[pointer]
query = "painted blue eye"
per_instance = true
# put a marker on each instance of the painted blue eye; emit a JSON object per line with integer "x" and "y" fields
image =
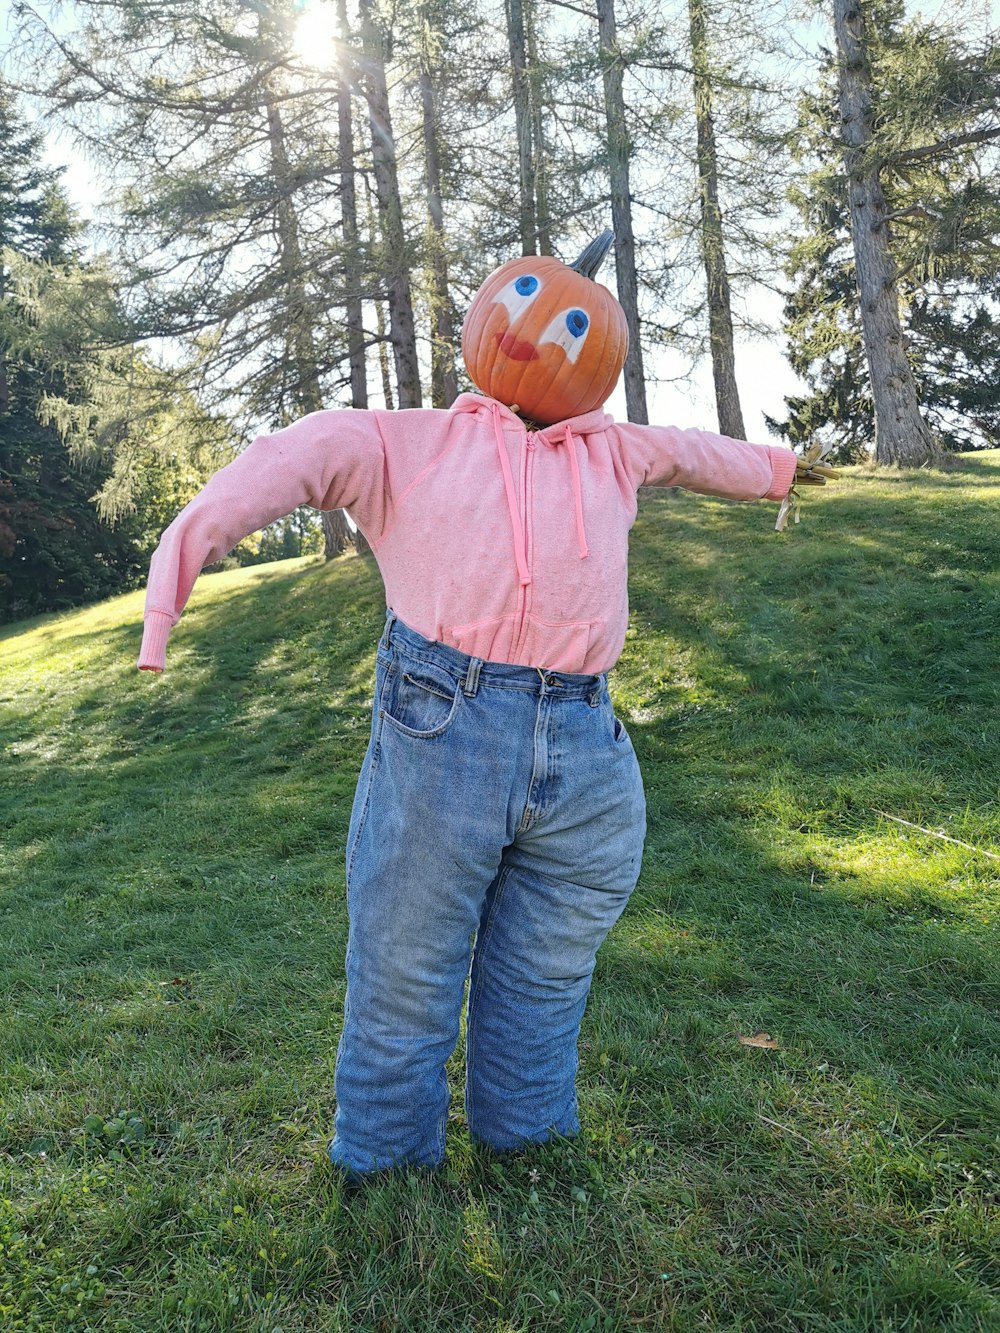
{"x": 577, "y": 323}
{"x": 526, "y": 284}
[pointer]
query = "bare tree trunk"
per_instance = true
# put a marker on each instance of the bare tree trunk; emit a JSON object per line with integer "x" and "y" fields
{"x": 901, "y": 434}
{"x": 621, "y": 208}
{"x": 401, "y": 326}
{"x": 383, "y": 354}
{"x": 720, "y": 316}
{"x": 349, "y": 221}
{"x": 522, "y": 121}
{"x": 539, "y": 165}
{"x": 308, "y": 393}
{"x": 444, "y": 381}
{"x": 380, "y": 333}
{"x": 353, "y": 285}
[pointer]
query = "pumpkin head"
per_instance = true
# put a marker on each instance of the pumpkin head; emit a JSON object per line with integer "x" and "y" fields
{"x": 544, "y": 338}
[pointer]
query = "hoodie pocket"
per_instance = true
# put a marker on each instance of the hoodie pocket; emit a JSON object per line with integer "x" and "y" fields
{"x": 557, "y": 645}
{"x": 492, "y": 640}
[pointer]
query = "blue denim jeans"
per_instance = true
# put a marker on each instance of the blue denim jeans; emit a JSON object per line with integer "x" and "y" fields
{"x": 499, "y": 818}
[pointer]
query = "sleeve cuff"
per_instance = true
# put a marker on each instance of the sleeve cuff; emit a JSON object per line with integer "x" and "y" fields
{"x": 783, "y": 462}
{"x": 153, "y": 653}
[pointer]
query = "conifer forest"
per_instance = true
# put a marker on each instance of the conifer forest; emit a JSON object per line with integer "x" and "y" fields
{"x": 219, "y": 215}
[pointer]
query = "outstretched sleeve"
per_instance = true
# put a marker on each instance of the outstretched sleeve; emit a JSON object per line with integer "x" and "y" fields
{"x": 710, "y": 464}
{"x": 331, "y": 460}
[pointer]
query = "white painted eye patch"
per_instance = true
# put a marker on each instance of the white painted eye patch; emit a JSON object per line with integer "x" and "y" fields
{"x": 568, "y": 330}
{"x": 516, "y": 296}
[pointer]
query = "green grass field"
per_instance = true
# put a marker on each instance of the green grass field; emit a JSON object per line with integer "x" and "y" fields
{"x": 173, "y": 927}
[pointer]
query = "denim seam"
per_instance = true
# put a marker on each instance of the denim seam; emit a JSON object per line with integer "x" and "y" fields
{"x": 470, "y": 1022}
{"x": 439, "y": 1143}
{"x": 363, "y": 819}
{"x": 533, "y": 810}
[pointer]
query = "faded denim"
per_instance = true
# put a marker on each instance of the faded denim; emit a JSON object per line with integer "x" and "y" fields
{"x": 500, "y": 804}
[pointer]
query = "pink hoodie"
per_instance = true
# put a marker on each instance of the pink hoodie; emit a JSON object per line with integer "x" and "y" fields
{"x": 509, "y": 545}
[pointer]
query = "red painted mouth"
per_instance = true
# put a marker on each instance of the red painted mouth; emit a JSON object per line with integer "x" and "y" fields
{"x": 516, "y": 348}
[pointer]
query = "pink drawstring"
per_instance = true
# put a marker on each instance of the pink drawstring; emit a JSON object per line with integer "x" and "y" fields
{"x": 515, "y": 517}
{"x": 581, "y": 534}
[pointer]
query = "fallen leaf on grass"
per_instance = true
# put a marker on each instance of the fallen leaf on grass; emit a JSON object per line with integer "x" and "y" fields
{"x": 763, "y": 1039}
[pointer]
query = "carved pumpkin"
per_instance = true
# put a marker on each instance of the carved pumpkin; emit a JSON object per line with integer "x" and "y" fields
{"x": 544, "y": 338}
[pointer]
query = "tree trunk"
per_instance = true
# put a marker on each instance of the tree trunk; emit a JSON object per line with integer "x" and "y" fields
{"x": 349, "y": 221}
{"x": 383, "y": 355}
{"x": 621, "y": 208}
{"x": 307, "y": 391}
{"x": 444, "y": 381}
{"x": 901, "y": 434}
{"x": 353, "y": 284}
{"x": 539, "y": 166}
{"x": 720, "y": 317}
{"x": 401, "y": 326}
{"x": 298, "y": 316}
{"x": 522, "y": 121}
{"x": 381, "y": 340}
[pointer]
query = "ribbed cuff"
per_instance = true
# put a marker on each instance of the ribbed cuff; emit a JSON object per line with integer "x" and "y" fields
{"x": 153, "y": 653}
{"x": 783, "y": 463}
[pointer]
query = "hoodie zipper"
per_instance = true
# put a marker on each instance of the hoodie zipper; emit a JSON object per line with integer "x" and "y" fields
{"x": 528, "y": 464}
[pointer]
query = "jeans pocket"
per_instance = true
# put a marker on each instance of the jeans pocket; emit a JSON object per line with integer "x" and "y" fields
{"x": 619, "y": 734}
{"x": 420, "y": 699}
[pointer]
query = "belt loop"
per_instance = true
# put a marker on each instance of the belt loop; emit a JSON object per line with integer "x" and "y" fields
{"x": 390, "y": 620}
{"x": 471, "y": 683}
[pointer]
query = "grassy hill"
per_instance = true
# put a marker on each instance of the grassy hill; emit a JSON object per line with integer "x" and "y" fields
{"x": 816, "y": 714}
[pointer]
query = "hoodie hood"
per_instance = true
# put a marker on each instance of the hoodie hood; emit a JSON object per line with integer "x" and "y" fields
{"x": 588, "y": 423}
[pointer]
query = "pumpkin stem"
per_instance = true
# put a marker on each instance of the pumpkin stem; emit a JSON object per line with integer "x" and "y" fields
{"x": 593, "y": 256}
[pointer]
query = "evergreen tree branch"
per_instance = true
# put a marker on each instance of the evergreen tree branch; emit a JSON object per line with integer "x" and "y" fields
{"x": 943, "y": 146}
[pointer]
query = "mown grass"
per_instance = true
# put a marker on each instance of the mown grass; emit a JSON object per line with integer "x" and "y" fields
{"x": 173, "y": 924}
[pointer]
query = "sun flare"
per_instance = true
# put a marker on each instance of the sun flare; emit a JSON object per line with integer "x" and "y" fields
{"x": 316, "y": 33}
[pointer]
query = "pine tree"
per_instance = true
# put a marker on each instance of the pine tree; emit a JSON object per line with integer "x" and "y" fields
{"x": 901, "y": 434}
{"x": 713, "y": 250}
{"x": 935, "y": 116}
{"x": 55, "y": 550}
{"x": 444, "y": 383}
{"x": 619, "y": 153}
{"x": 394, "y": 253}
{"x": 224, "y": 148}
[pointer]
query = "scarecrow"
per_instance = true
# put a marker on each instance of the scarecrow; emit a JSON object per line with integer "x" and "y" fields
{"x": 499, "y": 818}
